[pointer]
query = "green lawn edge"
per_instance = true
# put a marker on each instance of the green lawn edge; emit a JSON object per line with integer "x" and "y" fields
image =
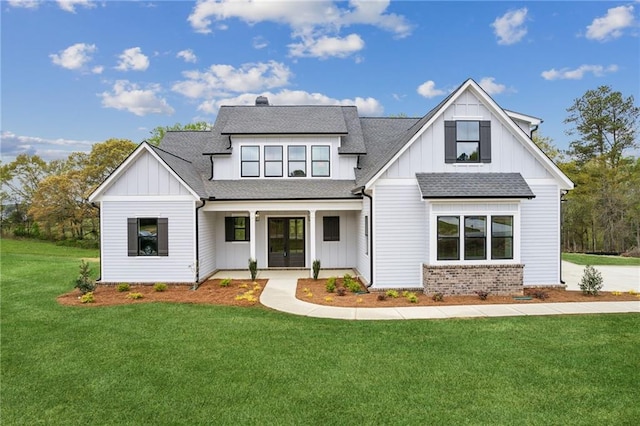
{"x": 592, "y": 259}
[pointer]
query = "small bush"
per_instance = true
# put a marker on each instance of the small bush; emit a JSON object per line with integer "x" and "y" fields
{"x": 539, "y": 293}
{"x": 253, "y": 268}
{"x": 382, "y": 297}
{"x": 392, "y": 293}
{"x": 328, "y": 299}
{"x": 225, "y": 282}
{"x": 87, "y": 297}
{"x": 135, "y": 296}
{"x": 438, "y": 297}
{"x": 412, "y": 297}
{"x": 341, "y": 291}
{"x": 84, "y": 283}
{"x": 482, "y": 294}
{"x": 591, "y": 281}
{"x": 330, "y": 286}
{"x": 316, "y": 269}
{"x": 352, "y": 285}
{"x": 122, "y": 287}
{"x": 160, "y": 287}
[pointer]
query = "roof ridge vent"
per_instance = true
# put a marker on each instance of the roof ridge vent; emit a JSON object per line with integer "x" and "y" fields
{"x": 262, "y": 101}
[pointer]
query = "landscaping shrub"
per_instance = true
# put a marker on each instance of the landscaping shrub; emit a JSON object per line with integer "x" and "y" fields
{"x": 438, "y": 297}
{"x": 412, "y": 297}
{"x": 253, "y": 268}
{"x": 591, "y": 281}
{"x": 87, "y": 297}
{"x": 316, "y": 269}
{"x": 84, "y": 283}
{"x": 351, "y": 284}
{"x": 392, "y": 293}
{"x": 482, "y": 294}
{"x": 135, "y": 296}
{"x": 382, "y": 297}
{"x": 539, "y": 293}
{"x": 160, "y": 287}
{"x": 331, "y": 284}
{"x": 225, "y": 282}
{"x": 123, "y": 287}
{"x": 341, "y": 291}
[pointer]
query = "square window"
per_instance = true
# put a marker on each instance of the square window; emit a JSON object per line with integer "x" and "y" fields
{"x": 236, "y": 228}
{"x": 331, "y": 228}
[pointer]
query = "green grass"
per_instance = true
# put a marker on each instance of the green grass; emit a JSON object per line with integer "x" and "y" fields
{"x": 592, "y": 259}
{"x": 196, "y": 364}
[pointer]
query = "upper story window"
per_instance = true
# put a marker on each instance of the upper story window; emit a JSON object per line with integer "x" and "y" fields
{"x": 297, "y": 155}
{"x": 320, "y": 163}
{"x": 250, "y": 161}
{"x": 467, "y": 141}
{"x": 273, "y": 161}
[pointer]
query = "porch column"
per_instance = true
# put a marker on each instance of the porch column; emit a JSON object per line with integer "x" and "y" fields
{"x": 312, "y": 237}
{"x": 252, "y": 234}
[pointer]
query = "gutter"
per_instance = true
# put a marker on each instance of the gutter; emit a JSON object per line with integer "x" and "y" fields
{"x": 370, "y": 236}
{"x": 96, "y": 206}
{"x": 196, "y": 283}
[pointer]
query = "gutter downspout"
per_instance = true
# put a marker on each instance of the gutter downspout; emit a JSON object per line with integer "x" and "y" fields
{"x": 562, "y": 200}
{"x": 196, "y": 283}
{"x": 370, "y": 236}
{"x": 95, "y": 206}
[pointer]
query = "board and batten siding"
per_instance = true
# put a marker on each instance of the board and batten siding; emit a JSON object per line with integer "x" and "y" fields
{"x": 146, "y": 176}
{"x": 540, "y": 236}
{"x": 207, "y": 242}
{"x": 178, "y": 266}
{"x": 337, "y": 254}
{"x": 400, "y": 235}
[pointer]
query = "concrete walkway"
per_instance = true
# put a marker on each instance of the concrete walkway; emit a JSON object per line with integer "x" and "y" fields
{"x": 614, "y": 278}
{"x": 279, "y": 294}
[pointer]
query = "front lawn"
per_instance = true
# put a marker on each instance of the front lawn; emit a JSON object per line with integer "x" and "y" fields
{"x": 162, "y": 363}
{"x": 593, "y": 259}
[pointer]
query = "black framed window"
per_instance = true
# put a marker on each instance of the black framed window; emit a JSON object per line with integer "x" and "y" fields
{"x": 475, "y": 237}
{"x": 448, "y": 238}
{"x": 250, "y": 161}
{"x": 148, "y": 236}
{"x": 297, "y": 157}
{"x": 320, "y": 161}
{"x": 331, "y": 228}
{"x": 273, "y": 161}
{"x": 236, "y": 228}
{"x": 502, "y": 237}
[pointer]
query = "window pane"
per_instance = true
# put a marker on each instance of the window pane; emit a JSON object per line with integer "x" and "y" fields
{"x": 475, "y": 248}
{"x": 297, "y": 168}
{"x": 502, "y": 248}
{"x": 448, "y": 226}
{"x": 448, "y": 249}
{"x": 468, "y": 130}
{"x": 468, "y": 151}
{"x": 331, "y": 228}
{"x": 273, "y": 153}
{"x": 250, "y": 169}
{"x": 148, "y": 237}
{"x": 320, "y": 168}
{"x": 475, "y": 226}
{"x": 320, "y": 153}
{"x": 297, "y": 153}
{"x": 273, "y": 168}
{"x": 502, "y": 226}
{"x": 250, "y": 153}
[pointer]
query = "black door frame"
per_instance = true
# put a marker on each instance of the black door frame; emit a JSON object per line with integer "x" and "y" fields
{"x": 273, "y": 260}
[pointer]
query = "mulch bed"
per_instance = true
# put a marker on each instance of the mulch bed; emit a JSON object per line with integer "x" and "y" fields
{"x": 313, "y": 291}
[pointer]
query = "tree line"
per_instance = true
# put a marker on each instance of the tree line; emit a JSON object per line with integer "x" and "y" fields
{"x": 602, "y": 214}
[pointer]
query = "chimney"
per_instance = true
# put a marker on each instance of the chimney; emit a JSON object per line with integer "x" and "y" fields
{"x": 262, "y": 101}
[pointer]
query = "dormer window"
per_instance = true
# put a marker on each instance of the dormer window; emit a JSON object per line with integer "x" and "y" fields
{"x": 467, "y": 141}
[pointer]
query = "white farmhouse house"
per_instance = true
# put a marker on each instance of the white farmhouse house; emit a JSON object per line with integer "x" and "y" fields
{"x": 455, "y": 201}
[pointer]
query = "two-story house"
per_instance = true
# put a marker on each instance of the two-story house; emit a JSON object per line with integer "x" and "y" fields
{"x": 458, "y": 200}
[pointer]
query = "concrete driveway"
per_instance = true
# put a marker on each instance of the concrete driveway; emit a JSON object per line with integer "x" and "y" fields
{"x": 615, "y": 278}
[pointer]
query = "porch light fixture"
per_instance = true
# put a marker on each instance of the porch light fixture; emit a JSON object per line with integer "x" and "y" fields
{"x": 257, "y": 216}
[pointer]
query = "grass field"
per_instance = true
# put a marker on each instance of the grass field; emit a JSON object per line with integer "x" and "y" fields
{"x": 196, "y": 364}
{"x": 592, "y": 259}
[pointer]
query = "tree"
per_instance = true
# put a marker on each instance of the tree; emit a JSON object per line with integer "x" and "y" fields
{"x": 158, "y": 133}
{"x": 103, "y": 159}
{"x": 547, "y": 146}
{"x": 605, "y": 122}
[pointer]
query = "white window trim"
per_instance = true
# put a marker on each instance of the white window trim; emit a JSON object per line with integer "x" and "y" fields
{"x": 433, "y": 240}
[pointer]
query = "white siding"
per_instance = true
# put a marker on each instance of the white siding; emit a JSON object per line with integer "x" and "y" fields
{"x": 337, "y": 254}
{"x": 230, "y": 254}
{"x": 364, "y": 261}
{"x": 400, "y": 236}
{"x": 146, "y": 176}
{"x": 118, "y": 266}
{"x": 540, "y": 230}
{"x": 207, "y": 242}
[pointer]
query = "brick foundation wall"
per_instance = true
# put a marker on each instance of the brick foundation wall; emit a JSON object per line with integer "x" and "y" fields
{"x": 499, "y": 280}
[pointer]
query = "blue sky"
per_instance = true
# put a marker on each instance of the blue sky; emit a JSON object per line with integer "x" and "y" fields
{"x": 79, "y": 72}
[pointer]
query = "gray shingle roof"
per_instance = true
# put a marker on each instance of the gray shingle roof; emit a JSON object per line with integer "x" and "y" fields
{"x": 182, "y": 168}
{"x": 281, "y": 120}
{"x": 473, "y": 185}
{"x": 271, "y": 189}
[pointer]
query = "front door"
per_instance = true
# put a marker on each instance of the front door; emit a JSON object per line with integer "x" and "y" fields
{"x": 286, "y": 242}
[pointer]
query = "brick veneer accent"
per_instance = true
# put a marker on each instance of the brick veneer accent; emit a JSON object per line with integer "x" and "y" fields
{"x": 499, "y": 280}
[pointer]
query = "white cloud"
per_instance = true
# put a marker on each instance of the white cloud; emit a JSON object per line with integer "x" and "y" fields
{"x": 259, "y": 42}
{"x": 25, "y": 4}
{"x": 311, "y": 21}
{"x": 12, "y": 145}
{"x": 428, "y": 89}
{"x": 74, "y": 57}
{"x": 611, "y": 25}
{"x": 491, "y": 87}
{"x": 97, "y": 69}
{"x": 578, "y": 73}
{"x": 187, "y": 55}
{"x": 366, "y": 106}
{"x": 129, "y": 97}
{"x": 70, "y": 5}
{"x": 133, "y": 59}
{"x": 510, "y": 28}
{"x": 220, "y": 80}
{"x": 325, "y": 47}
